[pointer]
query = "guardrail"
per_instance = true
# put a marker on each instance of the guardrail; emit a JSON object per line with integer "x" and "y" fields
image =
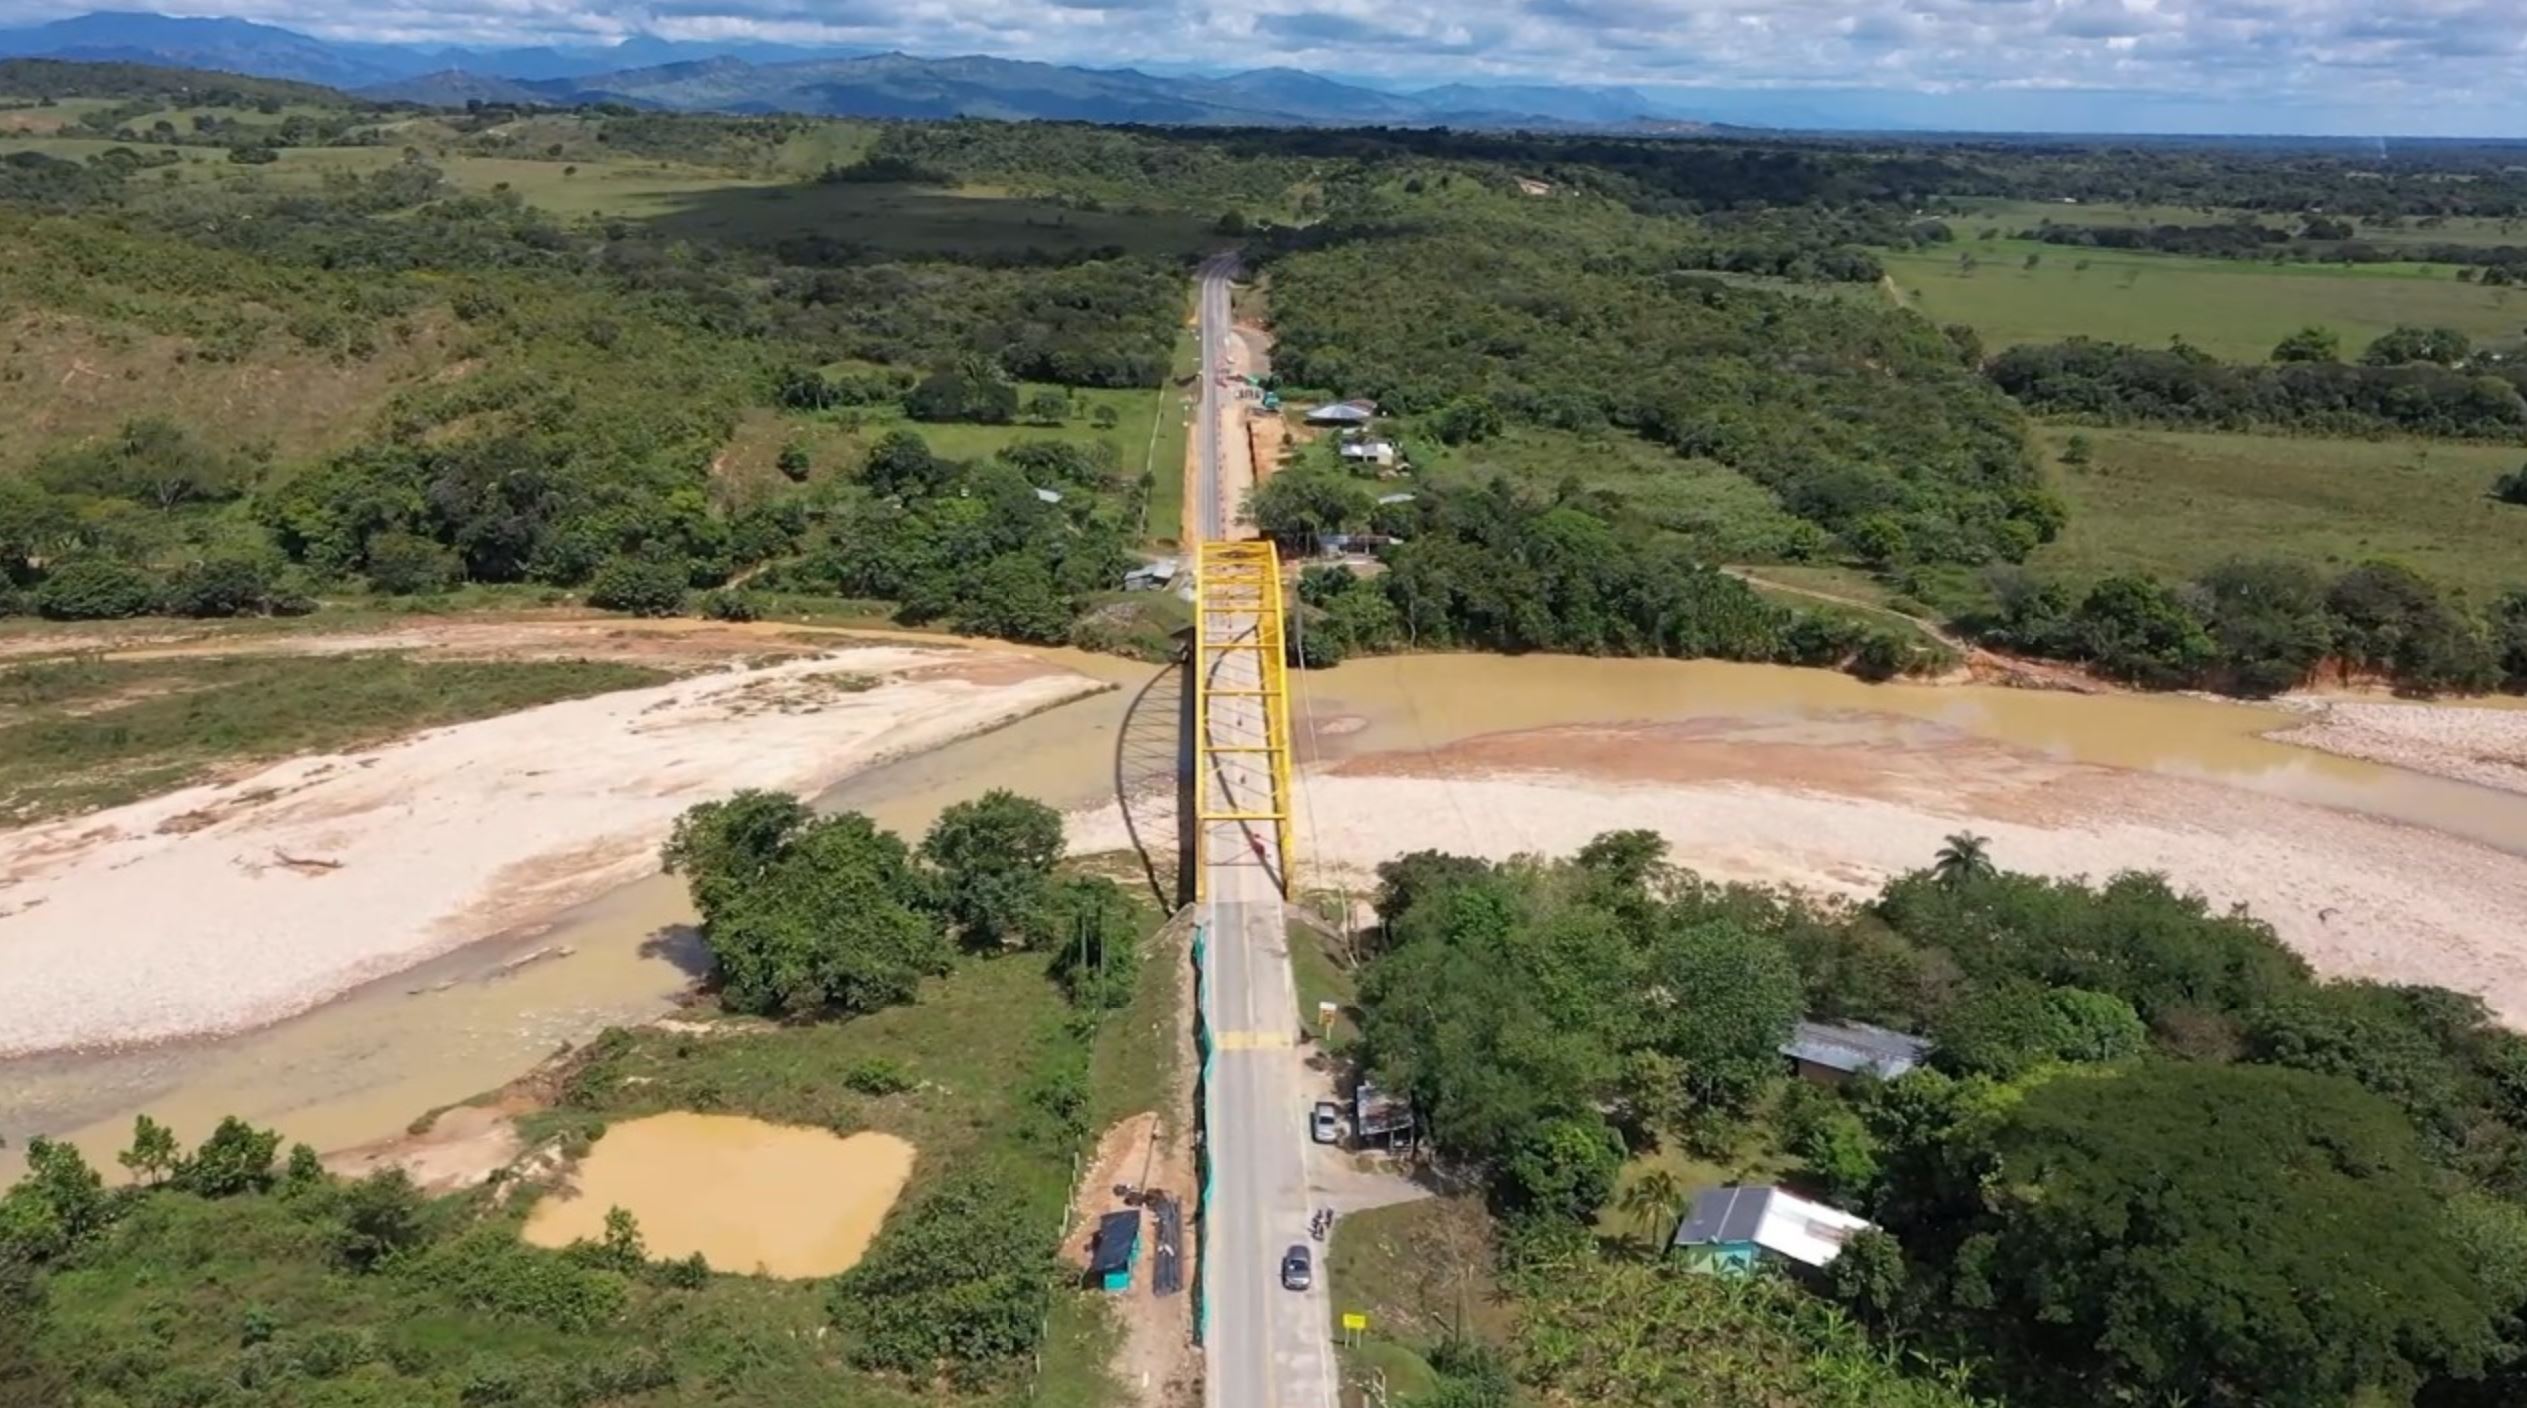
{"x": 1202, "y": 1130}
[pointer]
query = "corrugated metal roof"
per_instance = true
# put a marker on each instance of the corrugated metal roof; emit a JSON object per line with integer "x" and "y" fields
{"x": 1722, "y": 1215}
{"x": 1780, "y": 1222}
{"x": 1856, "y": 1047}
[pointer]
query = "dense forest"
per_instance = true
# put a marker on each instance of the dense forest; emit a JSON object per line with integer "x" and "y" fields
{"x": 2151, "y": 1159}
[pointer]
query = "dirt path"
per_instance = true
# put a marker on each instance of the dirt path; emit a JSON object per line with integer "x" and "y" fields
{"x": 1981, "y": 663}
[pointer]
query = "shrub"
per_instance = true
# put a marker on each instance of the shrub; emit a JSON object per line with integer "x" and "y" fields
{"x": 728, "y": 604}
{"x": 221, "y": 586}
{"x": 402, "y": 564}
{"x": 643, "y": 586}
{"x": 2511, "y": 488}
{"x": 94, "y": 589}
{"x": 878, "y": 1076}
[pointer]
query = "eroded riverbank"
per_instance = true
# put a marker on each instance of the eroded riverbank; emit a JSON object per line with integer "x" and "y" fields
{"x": 1795, "y": 776}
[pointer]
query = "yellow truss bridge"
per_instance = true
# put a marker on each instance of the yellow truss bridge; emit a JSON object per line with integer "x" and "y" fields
{"x": 1241, "y": 713}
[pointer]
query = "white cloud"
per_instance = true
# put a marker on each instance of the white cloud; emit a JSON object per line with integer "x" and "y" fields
{"x": 2448, "y": 65}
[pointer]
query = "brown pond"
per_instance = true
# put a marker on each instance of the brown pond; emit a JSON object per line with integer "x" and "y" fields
{"x": 751, "y": 1197}
{"x": 364, "y": 1066}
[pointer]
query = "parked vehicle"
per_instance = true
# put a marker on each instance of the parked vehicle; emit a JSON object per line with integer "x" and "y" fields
{"x": 1297, "y": 1269}
{"x": 1326, "y": 1125}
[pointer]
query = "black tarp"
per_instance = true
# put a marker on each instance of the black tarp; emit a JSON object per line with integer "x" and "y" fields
{"x": 1116, "y": 1232}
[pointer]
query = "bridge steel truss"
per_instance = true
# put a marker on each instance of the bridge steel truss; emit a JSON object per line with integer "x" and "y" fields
{"x": 1241, "y": 713}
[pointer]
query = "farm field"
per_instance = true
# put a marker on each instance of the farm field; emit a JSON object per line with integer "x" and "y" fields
{"x": 2231, "y": 309}
{"x": 2176, "y": 502}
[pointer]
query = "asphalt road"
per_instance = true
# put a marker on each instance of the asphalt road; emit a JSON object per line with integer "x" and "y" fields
{"x": 1266, "y": 1347}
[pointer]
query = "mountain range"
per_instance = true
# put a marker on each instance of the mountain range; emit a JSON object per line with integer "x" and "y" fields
{"x": 765, "y": 78}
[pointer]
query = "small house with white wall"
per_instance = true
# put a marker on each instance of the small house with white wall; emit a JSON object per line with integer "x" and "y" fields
{"x": 1737, "y": 1229}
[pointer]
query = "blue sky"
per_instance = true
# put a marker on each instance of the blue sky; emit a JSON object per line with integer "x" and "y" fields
{"x": 2423, "y": 67}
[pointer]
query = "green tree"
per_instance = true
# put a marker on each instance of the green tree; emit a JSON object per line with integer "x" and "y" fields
{"x": 405, "y": 564}
{"x": 236, "y": 1159}
{"x": 1048, "y": 407}
{"x": 805, "y": 915}
{"x": 2239, "y": 1235}
{"x": 2511, "y": 488}
{"x": 2309, "y": 344}
{"x": 1963, "y": 859}
{"x": 2405, "y": 345}
{"x": 153, "y": 1154}
{"x": 1723, "y": 1000}
{"x": 794, "y": 461}
{"x": 1879, "y": 539}
{"x": 995, "y": 856}
{"x": 2001, "y": 1029}
{"x": 1103, "y": 416}
{"x": 56, "y": 1205}
{"x": 2076, "y": 451}
{"x": 1299, "y": 506}
{"x": 901, "y": 463}
{"x": 94, "y": 589}
{"x": 640, "y": 585}
{"x": 1654, "y": 1201}
{"x": 2134, "y": 628}
{"x": 1563, "y": 1168}
{"x": 381, "y": 1215}
{"x": 726, "y": 847}
{"x": 1467, "y": 420}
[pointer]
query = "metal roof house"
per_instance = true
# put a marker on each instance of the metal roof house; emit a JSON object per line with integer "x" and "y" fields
{"x": 1737, "y": 1229}
{"x": 1117, "y": 1246}
{"x": 1831, "y": 1052}
{"x": 1343, "y": 413}
{"x": 1151, "y": 576}
{"x": 1380, "y": 1118}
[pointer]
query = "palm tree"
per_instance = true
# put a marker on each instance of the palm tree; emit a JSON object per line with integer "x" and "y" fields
{"x": 1966, "y": 858}
{"x": 1651, "y": 1203}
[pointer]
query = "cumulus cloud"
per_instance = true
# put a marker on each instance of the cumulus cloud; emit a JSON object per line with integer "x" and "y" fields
{"x": 2349, "y": 65}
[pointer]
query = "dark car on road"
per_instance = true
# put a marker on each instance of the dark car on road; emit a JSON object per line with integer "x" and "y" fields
{"x": 1296, "y": 1274}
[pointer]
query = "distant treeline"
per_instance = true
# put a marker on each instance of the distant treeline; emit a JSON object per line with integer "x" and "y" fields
{"x": 2318, "y": 240}
{"x": 2258, "y": 627}
{"x": 2120, "y": 384}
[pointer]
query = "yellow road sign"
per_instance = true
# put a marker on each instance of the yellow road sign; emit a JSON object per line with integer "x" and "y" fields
{"x": 1355, "y": 1321}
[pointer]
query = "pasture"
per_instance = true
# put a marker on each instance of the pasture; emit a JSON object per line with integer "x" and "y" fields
{"x": 2232, "y": 309}
{"x": 2176, "y": 502}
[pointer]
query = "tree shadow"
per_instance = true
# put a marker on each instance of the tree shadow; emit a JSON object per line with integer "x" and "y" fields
{"x": 681, "y": 945}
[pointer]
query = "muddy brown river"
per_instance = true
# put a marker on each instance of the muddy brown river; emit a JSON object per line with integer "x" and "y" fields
{"x": 365, "y": 1065}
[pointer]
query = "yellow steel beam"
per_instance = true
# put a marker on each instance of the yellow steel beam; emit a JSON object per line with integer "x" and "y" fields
{"x": 1241, "y": 582}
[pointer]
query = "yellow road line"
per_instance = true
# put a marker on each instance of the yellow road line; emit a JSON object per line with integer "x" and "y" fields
{"x": 1252, "y": 1041}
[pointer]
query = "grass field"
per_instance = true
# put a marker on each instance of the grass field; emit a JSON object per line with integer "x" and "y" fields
{"x": 1170, "y": 434}
{"x": 1421, "y": 1272}
{"x": 78, "y": 734}
{"x": 2229, "y": 308}
{"x": 1729, "y": 516}
{"x": 2175, "y": 503}
{"x": 1130, "y": 436}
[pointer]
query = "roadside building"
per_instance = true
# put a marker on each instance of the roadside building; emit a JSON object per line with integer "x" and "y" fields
{"x": 1736, "y": 1229}
{"x": 1367, "y": 450}
{"x": 1343, "y": 413}
{"x": 1829, "y": 1053}
{"x": 1117, "y": 1246}
{"x": 1151, "y": 576}
{"x": 1380, "y": 1120}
